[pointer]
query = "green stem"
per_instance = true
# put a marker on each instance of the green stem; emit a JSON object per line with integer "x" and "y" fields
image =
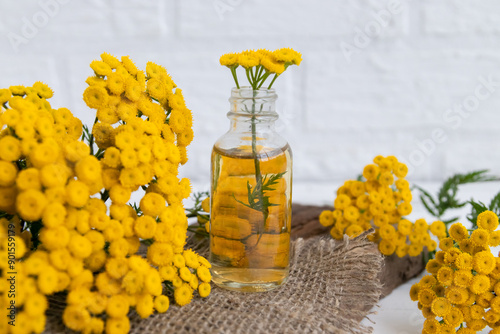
{"x": 91, "y": 138}
{"x": 104, "y": 195}
{"x": 274, "y": 79}
{"x": 259, "y": 73}
{"x": 233, "y": 72}
{"x": 258, "y": 175}
{"x": 249, "y": 79}
{"x": 264, "y": 77}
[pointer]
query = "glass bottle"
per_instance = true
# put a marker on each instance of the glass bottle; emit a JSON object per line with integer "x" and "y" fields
{"x": 251, "y": 193}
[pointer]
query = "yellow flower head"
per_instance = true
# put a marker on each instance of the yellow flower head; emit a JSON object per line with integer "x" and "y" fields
{"x": 17, "y": 90}
{"x": 454, "y": 318}
{"x": 229, "y": 59}
{"x": 152, "y": 204}
{"x": 100, "y": 68}
{"x": 441, "y": 306}
{"x": 183, "y": 294}
{"x": 386, "y": 178}
{"x": 118, "y": 325}
{"x": 192, "y": 259}
{"x": 76, "y": 317}
{"x": 154, "y": 71}
{"x": 204, "y": 290}
{"x": 431, "y": 326}
{"x": 456, "y": 295}
{"x": 386, "y": 247}
{"x": 400, "y": 169}
{"x": 426, "y": 297}
{"x": 438, "y": 228}
{"x": 111, "y": 60}
{"x": 5, "y": 95}
{"x": 451, "y": 255}
{"x": 271, "y": 64}
{"x": 161, "y": 303}
{"x": 484, "y": 262}
{"x": 487, "y": 220}
{"x": 371, "y": 172}
{"x": 479, "y": 284}
{"x": 421, "y": 225}
{"x": 288, "y": 55}
{"x": 160, "y": 254}
{"x": 95, "y": 97}
{"x": 445, "y": 243}
{"x": 480, "y": 237}
{"x": 467, "y": 246}
{"x": 43, "y": 90}
{"x": 351, "y": 213}
{"x": 433, "y": 266}
{"x": 354, "y": 230}
{"x": 404, "y": 209}
{"x": 129, "y": 65}
{"x": 494, "y": 239}
{"x": 342, "y": 202}
{"x": 248, "y": 59}
{"x": 464, "y": 261}
{"x": 458, "y": 232}
{"x": 445, "y": 276}
{"x": 133, "y": 89}
{"x": 462, "y": 278}
{"x": 145, "y": 227}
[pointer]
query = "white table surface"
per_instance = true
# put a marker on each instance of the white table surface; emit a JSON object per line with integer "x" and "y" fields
{"x": 396, "y": 313}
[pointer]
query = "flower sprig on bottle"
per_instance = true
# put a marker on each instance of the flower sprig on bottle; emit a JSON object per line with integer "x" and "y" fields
{"x": 259, "y": 66}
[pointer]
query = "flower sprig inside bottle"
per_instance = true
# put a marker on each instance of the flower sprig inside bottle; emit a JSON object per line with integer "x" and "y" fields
{"x": 261, "y": 64}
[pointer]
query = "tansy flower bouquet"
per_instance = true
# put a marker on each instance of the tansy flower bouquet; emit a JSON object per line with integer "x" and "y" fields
{"x": 381, "y": 198}
{"x": 66, "y": 225}
{"x": 462, "y": 293}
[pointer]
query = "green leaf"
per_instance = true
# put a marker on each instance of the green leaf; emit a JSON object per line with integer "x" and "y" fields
{"x": 495, "y": 204}
{"x": 447, "y": 194}
{"x": 431, "y": 211}
{"x": 257, "y": 198}
{"x": 451, "y": 220}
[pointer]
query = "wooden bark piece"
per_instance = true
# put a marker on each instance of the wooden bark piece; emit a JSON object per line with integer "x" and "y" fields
{"x": 395, "y": 270}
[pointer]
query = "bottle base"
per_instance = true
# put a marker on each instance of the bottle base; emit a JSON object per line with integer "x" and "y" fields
{"x": 249, "y": 280}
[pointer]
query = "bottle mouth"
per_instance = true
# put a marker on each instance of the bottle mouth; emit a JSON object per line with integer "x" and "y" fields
{"x": 247, "y": 92}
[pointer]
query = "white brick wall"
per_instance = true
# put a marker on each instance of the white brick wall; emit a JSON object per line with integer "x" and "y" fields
{"x": 337, "y": 113}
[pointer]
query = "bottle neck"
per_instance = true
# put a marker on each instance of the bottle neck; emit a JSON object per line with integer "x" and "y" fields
{"x": 252, "y": 109}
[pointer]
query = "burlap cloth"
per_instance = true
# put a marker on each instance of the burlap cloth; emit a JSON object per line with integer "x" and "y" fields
{"x": 332, "y": 287}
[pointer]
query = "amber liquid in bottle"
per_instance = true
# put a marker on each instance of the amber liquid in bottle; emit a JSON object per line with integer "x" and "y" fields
{"x": 246, "y": 253}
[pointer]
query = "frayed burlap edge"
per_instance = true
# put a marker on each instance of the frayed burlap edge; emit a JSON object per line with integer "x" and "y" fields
{"x": 332, "y": 287}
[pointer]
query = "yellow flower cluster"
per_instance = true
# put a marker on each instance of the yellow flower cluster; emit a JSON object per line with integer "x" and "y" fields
{"x": 260, "y": 64}
{"x": 48, "y": 187}
{"x": 142, "y": 121}
{"x": 272, "y": 61}
{"x": 381, "y": 199}
{"x": 463, "y": 288}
